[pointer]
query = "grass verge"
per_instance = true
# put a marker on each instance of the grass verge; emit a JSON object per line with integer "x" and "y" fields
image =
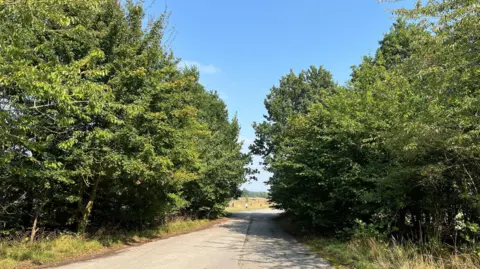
{"x": 372, "y": 254}
{"x": 369, "y": 253}
{"x": 14, "y": 254}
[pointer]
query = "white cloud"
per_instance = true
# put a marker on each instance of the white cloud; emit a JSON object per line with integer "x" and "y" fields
{"x": 203, "y": 68}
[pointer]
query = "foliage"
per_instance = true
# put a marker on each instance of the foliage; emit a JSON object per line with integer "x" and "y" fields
{"x": 260, "y": 194}
{"x": 395, "y": 150}
{"x": 98, "y": 125}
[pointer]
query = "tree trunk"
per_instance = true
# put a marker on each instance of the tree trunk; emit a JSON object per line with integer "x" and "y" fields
{"x": 87, "y": 210}
{"x": 401, "y": 225}
{"x": 419, "y": 224}
{"x": 34, "y": 228}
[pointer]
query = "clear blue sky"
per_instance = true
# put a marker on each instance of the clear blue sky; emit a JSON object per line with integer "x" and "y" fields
{"x": 242, "y": 48}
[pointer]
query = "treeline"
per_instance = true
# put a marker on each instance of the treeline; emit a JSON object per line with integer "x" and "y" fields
{"x": 259, "y": 194}
{"x": 396, "y": 151}
{"x": 100, "y": 127}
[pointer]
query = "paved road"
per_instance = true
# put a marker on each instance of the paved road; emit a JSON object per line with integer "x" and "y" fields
{"x": 249, "y": 240}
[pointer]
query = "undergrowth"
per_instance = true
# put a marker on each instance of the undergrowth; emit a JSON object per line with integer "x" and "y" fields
{"x": 369, "y": 253}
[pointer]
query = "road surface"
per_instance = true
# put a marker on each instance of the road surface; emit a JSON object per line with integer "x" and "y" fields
{"x": 249, "y": 240}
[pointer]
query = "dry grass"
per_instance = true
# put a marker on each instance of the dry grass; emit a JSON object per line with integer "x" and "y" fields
{"x": 253, "y": 204}
{"x": 373, "y": 254}
{"x": 16, "y": 254}
{"x": 231, "y": 210}
{"x": 13, "y": 254}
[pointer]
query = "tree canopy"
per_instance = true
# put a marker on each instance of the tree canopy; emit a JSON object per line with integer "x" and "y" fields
{"x": 98, "y": 124}
{"x": 396, "y": 148}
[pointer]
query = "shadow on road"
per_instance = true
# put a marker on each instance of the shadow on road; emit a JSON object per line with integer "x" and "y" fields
{"x": 266, "y": 244}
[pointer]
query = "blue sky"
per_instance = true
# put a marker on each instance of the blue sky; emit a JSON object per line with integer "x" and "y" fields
{"x": 242, "y": 48}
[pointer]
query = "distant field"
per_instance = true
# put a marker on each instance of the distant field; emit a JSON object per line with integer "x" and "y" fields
{"x": 253, "y": 203}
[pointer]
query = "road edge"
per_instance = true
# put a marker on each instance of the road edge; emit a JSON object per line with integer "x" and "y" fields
{"x": 110, "y": 251}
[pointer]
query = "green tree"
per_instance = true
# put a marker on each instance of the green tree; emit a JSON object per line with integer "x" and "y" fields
{"x": 49, "y": 65}
{"x": 222, "y": 166}
{"x": 395, "y": 148}
{"x": 98, "y": 124}
{"x": 293, "y": 95}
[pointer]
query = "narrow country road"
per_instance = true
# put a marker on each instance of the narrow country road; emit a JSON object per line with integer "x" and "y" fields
{"x": 249, "y": 240}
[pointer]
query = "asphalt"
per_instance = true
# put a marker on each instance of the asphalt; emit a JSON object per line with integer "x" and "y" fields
{"x": 249, "y": 240}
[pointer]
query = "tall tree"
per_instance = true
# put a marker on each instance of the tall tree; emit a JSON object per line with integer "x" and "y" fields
{"x": 397, "y": 147}
{"x": 292, "y": 96}
{"x": 98, "y": 124}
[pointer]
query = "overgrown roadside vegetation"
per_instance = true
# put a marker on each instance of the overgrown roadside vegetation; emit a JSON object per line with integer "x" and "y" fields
{"x": 394, "y": 154}
{"x": 100, "y": 126}
{"x": 364, "y": 251}
{"x": 369, "y": 253}
{"x": 64, "y": 247}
